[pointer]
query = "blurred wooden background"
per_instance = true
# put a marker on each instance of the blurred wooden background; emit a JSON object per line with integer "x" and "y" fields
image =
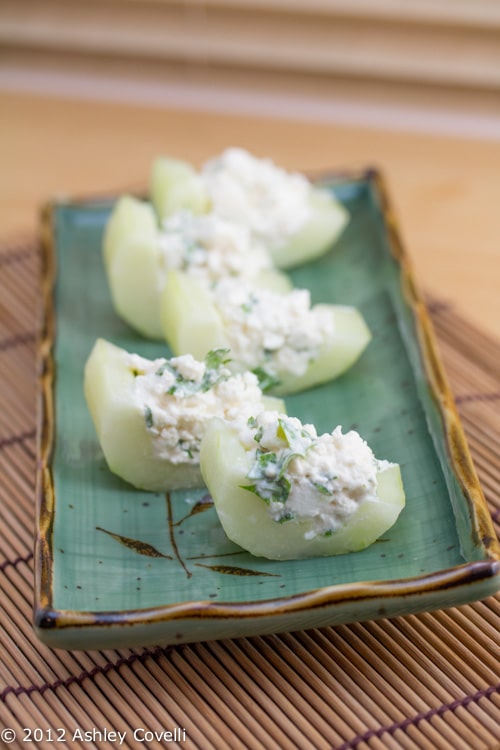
{"x": 92, "y": 90}
{"x": 431, "y": 65}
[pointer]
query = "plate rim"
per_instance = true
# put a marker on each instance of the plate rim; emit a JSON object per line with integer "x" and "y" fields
{"x": 481, "y": 576}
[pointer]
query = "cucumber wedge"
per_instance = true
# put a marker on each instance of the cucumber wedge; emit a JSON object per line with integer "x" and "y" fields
{"x": 176, "y": 185}
{"x": 337, "y": 354}
{"x": 327, "y": 222}
{"x": 193, "y": 322}
{"x": 123, "y": 423}
{"x": 225, "y": 465}
{"x": 190, "y": 321}
{"x": 131, "y": 219}
{"x": 132, "y": 258}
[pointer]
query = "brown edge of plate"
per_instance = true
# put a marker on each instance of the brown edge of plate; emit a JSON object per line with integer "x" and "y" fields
{"x": 462, "y": 576}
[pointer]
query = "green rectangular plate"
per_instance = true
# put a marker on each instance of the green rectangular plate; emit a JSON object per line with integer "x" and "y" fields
{"x": 119, "y": 567}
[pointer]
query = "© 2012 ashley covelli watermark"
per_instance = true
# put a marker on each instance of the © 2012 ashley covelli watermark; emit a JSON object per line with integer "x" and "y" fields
{"x": 36, "y": 735}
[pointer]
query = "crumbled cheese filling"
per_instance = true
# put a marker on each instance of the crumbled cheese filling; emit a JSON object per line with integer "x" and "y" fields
{"x": 255, "y": 192}
{"x": 276, "y": 332}
{"x": 178, "y": 397}
{"x": 208, "y": 247}
{"x": 318, "y": 479}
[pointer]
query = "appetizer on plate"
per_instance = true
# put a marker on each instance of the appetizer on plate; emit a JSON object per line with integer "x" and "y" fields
{"x": 283, "y": 492}
{"x": 290, "y": 345}
{"x": 296, "y": 220}
{"x": 138, "y": 254}
{"x": 150, "y": 415}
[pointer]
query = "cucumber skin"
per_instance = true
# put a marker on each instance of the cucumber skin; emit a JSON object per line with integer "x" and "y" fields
{"x": 245, "y": 519}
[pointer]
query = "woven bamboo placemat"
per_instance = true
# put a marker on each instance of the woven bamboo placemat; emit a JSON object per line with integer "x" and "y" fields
{"x": 426, "y": 681}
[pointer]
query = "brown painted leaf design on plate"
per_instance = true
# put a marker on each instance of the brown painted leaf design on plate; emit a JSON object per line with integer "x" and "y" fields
{"x": 232, "y": 570}
{"x": 203, "y": 504}
{"x": 142, "y": 548}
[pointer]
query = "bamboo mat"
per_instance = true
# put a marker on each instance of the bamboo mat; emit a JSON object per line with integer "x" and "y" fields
{"x": 427, "y": 681}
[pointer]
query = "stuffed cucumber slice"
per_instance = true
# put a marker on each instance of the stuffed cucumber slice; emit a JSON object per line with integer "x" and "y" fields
{"x": 138, "y": 254}
{"x": 294, "y": 219}
{"x": 150, "y": 415}
{"x": 290, "y": 345}
{"x": 284, "y": 493}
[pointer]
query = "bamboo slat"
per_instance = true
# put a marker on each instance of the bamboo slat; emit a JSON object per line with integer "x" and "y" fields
{"x": 422, "y": 682}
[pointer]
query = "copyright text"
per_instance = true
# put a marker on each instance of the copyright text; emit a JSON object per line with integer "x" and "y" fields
{"x": 8, "y": 735}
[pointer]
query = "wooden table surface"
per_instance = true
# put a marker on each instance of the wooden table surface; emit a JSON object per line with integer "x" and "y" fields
{"x": 446, "y": 191}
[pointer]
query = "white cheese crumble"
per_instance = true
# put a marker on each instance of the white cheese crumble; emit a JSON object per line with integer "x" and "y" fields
{"x": 321, "y": 480}
{"x": 276, "y": 332}
{"x": 178, "y": 397}
{"x": 208, "y": 247}
{"x": 255, "y": 192}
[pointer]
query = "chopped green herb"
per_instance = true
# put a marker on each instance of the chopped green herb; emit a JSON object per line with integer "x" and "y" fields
{"x": 165, "y": 366}
{"x": 266, "y": 379}
{"x": 269, "y": 467}
{"x": 189, "y": 250}
{"x": 216, "y": 358}
{"x": 258, "y": 435}
{"x": 321, "y": 488}
{"x": 214, "y": 361}
{"x": 188, "y": 448}
{"x": 275, "y": 491}
{"x": 297, "y": 440}
{"x": 248, "y": 306}
{"x": 148, "y": 416}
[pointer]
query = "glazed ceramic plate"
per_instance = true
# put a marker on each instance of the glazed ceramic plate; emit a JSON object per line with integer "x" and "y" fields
{"x": 118, "y": 567}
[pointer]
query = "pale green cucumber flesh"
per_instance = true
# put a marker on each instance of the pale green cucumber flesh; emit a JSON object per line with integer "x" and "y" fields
{"x": 176, "y": 186}
{"x": 130, "y": 219}
{"x": 350, "y": 338}
{"x": 134, "y": 281}
{"x": 190, "y": 321}
{"x": 246, "y": 521}
{"x": 328, "y": 220}
{"x": 132, "y": 262}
